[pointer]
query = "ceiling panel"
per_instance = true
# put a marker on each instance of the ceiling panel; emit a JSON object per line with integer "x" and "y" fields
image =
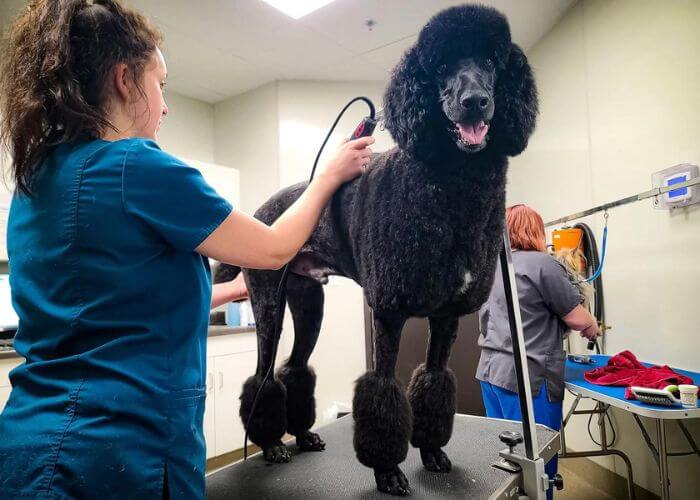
{"x": 218, "y": 48}
{"x": 345, "y": 21}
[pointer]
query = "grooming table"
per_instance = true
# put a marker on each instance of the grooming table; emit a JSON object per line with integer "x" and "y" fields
{"x": 607, "y": 396}
{"x": 336, "y": 473}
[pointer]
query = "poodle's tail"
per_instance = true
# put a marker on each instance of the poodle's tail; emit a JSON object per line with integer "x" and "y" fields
{"x": 225, "y": 272}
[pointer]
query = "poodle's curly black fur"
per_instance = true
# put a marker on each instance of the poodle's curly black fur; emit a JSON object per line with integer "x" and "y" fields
{"x": 420, "y": 232}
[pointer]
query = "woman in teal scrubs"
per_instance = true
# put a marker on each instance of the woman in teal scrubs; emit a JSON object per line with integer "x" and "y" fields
{"x": 108, "y": 241}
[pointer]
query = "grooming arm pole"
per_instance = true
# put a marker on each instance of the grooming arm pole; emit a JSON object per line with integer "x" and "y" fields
{"x": 535, "y": 481}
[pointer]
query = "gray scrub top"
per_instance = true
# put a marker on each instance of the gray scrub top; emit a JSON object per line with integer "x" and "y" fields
{"x": 546, "y": 295}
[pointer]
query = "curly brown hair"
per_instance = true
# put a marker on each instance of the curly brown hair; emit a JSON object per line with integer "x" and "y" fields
{"x": 58, "y": 57}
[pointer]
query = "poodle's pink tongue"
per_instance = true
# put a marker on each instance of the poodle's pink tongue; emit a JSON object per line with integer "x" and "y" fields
{"x": 473, "y": 134}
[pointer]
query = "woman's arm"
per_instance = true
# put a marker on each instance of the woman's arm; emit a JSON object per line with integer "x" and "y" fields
{"x": 229, "y": 291}
{"x": 245, "y": 241}
{"x": 582, "y": 320}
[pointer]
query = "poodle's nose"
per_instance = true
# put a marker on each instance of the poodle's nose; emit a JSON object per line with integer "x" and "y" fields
{"x": 476, "y": 102}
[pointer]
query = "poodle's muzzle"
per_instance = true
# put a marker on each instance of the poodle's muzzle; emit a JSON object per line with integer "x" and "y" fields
{"x": 468, "y": 102}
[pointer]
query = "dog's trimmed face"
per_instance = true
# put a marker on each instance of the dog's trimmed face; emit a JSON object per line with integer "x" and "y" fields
{"x": 467, "y": 99}
{"x": 462, "y": 90}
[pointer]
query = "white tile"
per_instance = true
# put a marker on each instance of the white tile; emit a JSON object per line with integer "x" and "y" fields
{"x": 345, "y": 22}
{"x": 388, "y": 56}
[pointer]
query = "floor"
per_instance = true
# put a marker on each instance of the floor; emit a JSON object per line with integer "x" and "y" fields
{"x": 577, "y": 488}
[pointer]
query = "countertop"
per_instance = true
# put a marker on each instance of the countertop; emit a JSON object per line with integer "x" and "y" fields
{"x": 214, "y": 331}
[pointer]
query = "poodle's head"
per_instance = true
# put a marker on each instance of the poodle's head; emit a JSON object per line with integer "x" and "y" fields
{"x": 462, "y": 88}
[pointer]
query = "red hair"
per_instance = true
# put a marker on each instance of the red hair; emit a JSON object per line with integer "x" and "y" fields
{"x": 525, "y": 228}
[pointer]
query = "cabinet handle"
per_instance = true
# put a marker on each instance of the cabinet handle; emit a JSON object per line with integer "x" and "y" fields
{"x": 210, "y": 381}
{"x": 221, "y": 380}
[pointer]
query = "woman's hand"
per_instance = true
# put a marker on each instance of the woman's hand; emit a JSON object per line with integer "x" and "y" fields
{"x": 592, "y": 332}
{"x": 244, "y": 241}
{"x": 580, "y": 319}
{"x": 348, "y": 162}
{"x": 229, "y": 291}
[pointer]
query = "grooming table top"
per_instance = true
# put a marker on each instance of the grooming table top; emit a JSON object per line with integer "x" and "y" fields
{"x": 615, "y": 396}
{"x": 336, "y": 473}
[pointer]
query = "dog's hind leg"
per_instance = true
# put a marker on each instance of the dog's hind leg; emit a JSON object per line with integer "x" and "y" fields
{"x": 268, "y": 423}
{"x": 382, "y": 414}
{"x": 305, "y": 299}
{"x": 432, "y": 396}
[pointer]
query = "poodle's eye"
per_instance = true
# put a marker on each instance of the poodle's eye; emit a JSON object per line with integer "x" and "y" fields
{"x": 489, "y": 62}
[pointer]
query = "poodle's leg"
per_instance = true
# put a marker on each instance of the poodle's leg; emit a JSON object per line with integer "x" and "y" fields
{"x": 305, "y": 299}
{"x": 382, "y": 413}
{"x": 432, "y": 396}
{"x": 268, "y": 423}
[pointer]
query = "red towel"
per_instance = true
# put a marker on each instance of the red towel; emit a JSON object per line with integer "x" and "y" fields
{"x": 624, "y": 369}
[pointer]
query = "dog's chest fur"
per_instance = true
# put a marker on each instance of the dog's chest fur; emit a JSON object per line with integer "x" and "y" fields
{"x": 435, "y": 240}
{"x": 419, "y": 240}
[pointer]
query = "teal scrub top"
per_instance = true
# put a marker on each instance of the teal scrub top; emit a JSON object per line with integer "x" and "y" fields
{"x": 113, "y": 305}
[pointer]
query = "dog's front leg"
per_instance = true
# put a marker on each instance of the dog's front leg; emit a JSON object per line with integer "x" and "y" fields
{"x": 382, "y": 413}
{"x": 432, "y": 396}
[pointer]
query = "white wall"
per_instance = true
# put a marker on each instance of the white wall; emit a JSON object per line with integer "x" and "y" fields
{"x": 188, "y": 130}
{"x": 618, "y": 86}
{"x": 246, "y": 138}
{"x": 307, "y": 109}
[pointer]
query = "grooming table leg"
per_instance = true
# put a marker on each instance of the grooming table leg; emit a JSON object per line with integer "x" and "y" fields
{"x": 663, "y": 459}
{"x": 605, "y": 451}
{"x": 689, "y": 437}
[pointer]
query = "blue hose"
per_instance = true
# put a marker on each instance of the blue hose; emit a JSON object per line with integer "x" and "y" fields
{"x": 598, "y": 271}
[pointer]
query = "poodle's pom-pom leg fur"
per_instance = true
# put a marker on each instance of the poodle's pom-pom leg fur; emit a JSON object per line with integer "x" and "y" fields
{"x": 432, "y": 398}
{"x": 269, "y": 422}
{"x": 300, "y": 382}
{"x": 382, "y": 429}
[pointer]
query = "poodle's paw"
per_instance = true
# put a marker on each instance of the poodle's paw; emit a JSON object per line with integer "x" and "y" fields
{"x": 393, "y": 482}
{"x": 435, "y": 460}
{"x": 310, "y": 441}
{"x": 277, "y": 453}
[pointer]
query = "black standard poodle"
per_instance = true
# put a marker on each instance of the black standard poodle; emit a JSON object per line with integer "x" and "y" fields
{"x": 420, "y": 232}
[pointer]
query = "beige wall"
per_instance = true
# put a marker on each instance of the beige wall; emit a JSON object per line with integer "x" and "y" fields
{"x": 618, "y": 84}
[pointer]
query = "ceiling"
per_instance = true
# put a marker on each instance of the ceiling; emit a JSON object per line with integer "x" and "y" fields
{"x": 219, "y": 48}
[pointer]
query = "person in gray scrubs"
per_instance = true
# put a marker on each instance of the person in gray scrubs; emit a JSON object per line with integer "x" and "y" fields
{"x": 550, "y": 305}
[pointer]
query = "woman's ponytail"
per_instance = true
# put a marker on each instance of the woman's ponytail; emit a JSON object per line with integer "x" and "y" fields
{"x": 58, "y": 56}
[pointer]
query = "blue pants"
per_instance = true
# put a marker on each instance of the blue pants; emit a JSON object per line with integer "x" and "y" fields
{"x": 501, "y": 403}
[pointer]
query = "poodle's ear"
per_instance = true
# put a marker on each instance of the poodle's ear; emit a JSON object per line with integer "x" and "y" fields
{"x": 412, "y": 107}
{"x": 516, "y": 105}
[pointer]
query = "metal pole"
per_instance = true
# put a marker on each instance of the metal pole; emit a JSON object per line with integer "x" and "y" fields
{"x": 624, "y": 201}
{"x": 601, "y": 425}
{"x": 519, "y": 355}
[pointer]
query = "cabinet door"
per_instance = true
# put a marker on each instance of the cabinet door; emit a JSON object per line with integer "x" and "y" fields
{"x": 209, "y": 411}
{"x": 231, "y": 370}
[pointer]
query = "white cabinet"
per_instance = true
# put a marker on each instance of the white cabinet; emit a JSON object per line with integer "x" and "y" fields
{"x": 225, "y": 180}
{"x": 231, "y": 360}
{"x": 231, "y": 372}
